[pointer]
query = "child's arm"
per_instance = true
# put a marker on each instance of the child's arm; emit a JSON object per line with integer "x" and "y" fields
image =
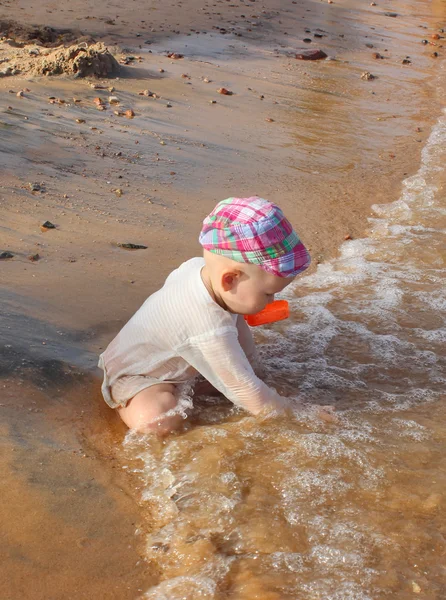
{"x": 248, "y": 345}
{"x": 219, "y": 357}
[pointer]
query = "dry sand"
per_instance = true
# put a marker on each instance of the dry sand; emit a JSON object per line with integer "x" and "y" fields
{"x": 315, "y": 137}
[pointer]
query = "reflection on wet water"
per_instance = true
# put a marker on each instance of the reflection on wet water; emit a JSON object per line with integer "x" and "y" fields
{"x": 304, "y": 508}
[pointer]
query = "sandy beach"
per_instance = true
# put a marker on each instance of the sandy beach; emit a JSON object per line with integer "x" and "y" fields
{"x": 325, "y": 139}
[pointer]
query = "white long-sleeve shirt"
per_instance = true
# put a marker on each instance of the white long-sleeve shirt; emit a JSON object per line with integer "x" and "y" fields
{"x": 179, "y": 331}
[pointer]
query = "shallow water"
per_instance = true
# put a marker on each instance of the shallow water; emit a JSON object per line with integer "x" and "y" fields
{"x": 312, "y": 508}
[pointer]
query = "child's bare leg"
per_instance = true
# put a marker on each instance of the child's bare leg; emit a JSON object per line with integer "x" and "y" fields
{"x": 144, "y": 412}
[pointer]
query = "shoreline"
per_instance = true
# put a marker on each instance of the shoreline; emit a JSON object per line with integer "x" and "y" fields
{"x": 330, "y": 137}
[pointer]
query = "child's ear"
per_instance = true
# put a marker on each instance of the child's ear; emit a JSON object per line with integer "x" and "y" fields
{"x": 229, "y": 279}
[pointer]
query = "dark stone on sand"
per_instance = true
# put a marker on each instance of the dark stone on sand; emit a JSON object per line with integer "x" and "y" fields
{"x": 310, "y": 54}
{"x": 406, "y": 61}
{"x": 36, "y": 187}
{"x": 424, "y": 42}
{"x": 391, "y": 14}
{"x": 48, "y": 225}
{"x": 129, "y": 246}
{"x": 33, "y": 257}
{"x": 5, "y": 255}
{"x": 307, "y": 40}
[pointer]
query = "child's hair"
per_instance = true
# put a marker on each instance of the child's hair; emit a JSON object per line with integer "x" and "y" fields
{"x": 254, "y": 230}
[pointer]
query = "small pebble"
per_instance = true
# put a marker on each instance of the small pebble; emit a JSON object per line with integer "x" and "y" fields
{"x": 130, "y": 246}
{"x": 36, "y": 187}
{"x": 48, "y": 225}
{"x": 416, "y": 588}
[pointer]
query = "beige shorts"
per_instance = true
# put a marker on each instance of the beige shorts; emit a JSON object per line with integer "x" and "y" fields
{"x": 125, "y": 388}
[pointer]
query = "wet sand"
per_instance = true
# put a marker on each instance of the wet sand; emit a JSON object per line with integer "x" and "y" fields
{"x": 312, "y": 136}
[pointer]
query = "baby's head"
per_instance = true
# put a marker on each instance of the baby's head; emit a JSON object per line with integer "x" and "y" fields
{"x": 251, "y": 253}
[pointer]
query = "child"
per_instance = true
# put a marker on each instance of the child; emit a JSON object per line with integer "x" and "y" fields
{"x": 194, "y": 324}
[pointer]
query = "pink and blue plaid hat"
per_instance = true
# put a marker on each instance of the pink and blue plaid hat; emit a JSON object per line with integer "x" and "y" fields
{"x": 254, "y": 230}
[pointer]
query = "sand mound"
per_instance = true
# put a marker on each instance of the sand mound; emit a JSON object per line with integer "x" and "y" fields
{"x": 48, "y": 51}
{"x": 80, "y": 60}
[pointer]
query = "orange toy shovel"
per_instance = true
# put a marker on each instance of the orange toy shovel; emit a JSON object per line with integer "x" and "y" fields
{"x": 276, "y": 311}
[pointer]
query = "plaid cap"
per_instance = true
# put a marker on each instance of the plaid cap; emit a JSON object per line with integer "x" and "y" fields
{"x": 254, "y": 230}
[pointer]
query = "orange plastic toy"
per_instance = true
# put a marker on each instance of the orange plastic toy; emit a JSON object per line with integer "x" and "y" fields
{"x": 276, "y": 311}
